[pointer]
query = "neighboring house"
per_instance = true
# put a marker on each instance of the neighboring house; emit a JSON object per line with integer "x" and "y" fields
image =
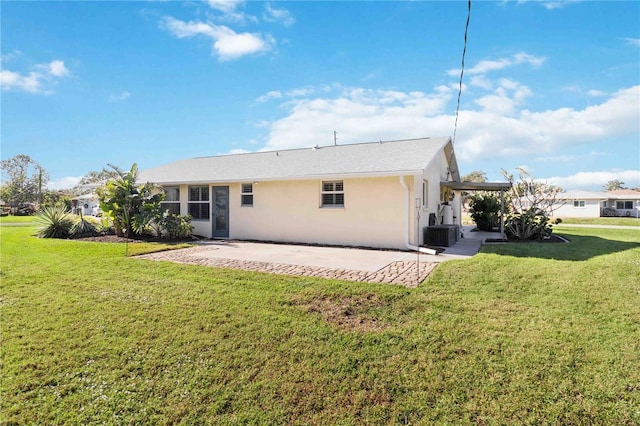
{"x": 579, "y": 203}
{"x": 87, "y": 204}
{"x": 377, "y": 194}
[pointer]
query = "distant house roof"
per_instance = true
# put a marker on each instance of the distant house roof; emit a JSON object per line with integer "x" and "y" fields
{"x": 354, "y": 160}
{"x": 578, "y": 194}
{"x": 88, "y": 196}
{"x": 621, "y": 194}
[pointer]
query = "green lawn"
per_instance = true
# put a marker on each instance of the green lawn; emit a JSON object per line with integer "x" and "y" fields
{"x": 519, "y": 334}
{"x": 617, "y": 221}
{"x": 17, "y": 219}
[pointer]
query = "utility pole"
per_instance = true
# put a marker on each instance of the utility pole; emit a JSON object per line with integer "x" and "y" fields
{"x": 39, "y": 187}
{"x": 335, "y": 138}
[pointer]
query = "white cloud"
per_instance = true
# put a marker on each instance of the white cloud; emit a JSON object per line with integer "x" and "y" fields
{"x": 489, "y": 133}
{"x": 632, "y": 41}
{"x": 301, "y": 91}
{"x": 10, "y": 55}
{"x": 274, "y": 94}
{"x": 596, "y": 93}
{"x": 486, "y": 65}
{"x": 556, "y": 4}
{"x": 271, "y": 14}
{"x": 226, "y": 6}
{"x": 227, "y": 44}
{"x": 64, "y": 182}
{"x": 57, "y": 69}
{"x": 115, "y": 97}
{"x": 35, "y": 81}
{"x": 505, "y": 98}
{"x": 358, "y": 115}
{"x": 551, "y": 4}
{"x": 229, "y": 11}
{"x": 595, "y": 180}
{"x": 481, "y": 81}
{"x": 31, "y": 82}
{"x": 498, "y": 128}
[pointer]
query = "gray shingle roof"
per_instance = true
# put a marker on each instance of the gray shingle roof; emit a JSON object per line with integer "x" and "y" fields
{"x": 364, "y": 159}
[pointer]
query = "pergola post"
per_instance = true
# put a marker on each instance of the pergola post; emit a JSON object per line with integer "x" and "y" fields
{"x": 502, "y": 212}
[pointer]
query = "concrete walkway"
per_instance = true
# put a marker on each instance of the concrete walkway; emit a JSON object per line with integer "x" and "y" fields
{"x": 377, "y": 266}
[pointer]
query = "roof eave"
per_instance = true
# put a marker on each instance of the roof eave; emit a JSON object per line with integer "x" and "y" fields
{"x": 333, "y": 176}
{"x": 478, "y": 186}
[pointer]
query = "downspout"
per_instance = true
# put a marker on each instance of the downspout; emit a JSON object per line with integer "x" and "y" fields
{"x": 407, "y": 206}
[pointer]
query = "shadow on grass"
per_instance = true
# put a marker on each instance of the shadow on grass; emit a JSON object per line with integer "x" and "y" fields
{"x": 579, "y": 248}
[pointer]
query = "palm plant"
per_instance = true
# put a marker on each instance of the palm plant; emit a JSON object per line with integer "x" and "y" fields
{"x": 83, "y": 228}
{"x": 55, "y": 221}
{"x": 131, "y": 205}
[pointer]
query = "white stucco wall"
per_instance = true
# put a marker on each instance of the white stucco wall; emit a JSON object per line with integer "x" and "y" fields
{"x": 90, "y": 203}
{"x": 435, "y": 172}
{"x": 290, "y": 211}
{"x": 374, "y": 215}
{"x": 591, "y": 209}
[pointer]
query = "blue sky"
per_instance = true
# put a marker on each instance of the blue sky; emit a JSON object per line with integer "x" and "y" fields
{"x": 552, "y": 86}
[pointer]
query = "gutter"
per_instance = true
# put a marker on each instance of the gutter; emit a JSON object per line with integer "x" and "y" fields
{"x": 406, "y": 222}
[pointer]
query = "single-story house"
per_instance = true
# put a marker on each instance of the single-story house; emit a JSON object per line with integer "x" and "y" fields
{"x": 577, "y": 203}
{"x": 87, "y": 204}
{"x": 379, "y": 194}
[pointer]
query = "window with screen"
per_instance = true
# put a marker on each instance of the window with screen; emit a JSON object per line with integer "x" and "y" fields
{"x": 332, "y": 194}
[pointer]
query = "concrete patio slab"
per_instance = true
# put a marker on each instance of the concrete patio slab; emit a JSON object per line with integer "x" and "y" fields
{"x": 366, "y": 265}
{"x": 313, "y": 256}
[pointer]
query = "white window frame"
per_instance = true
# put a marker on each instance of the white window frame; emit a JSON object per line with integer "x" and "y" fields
{"x": 246, "y": 194}
{"x": 166, "y": 203}
{"x": 204, "y": 189}
{"x": 334, "y": 193}
{"x": 425, "y": 193}
{"x": 579, "y": 204}
{"x": 624, "y": 202}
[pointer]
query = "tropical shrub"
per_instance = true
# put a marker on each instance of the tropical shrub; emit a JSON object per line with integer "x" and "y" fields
{"x": 484, "y": 209}
{"x": 55, "y": 221}
{"x": 530, "y": 225}
{"x": 173, "y": 226}
{"x": 132, "y": 205}
{"x": 84, "y": 228}
{"x": 532, "y": 202}
{"x": 177, "y": 226}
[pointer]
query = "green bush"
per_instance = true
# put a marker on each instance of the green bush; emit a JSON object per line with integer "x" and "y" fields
{"x": 173, "y": 226}
{"x": 83, "y": 228}
{"x": 55, "y": 221}
{"x": 529, "y": 225}
{"x": 484, "y": 209}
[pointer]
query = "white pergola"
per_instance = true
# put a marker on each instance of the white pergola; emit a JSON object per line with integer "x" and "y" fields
{"x": 484, "y": 186}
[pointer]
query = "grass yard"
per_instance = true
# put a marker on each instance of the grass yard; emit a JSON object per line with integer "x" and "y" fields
{"x": 17, "y": 219}
{"x": 519, "y": 334}
{"x": 616, "y": 221}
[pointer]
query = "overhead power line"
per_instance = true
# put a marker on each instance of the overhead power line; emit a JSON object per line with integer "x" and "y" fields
{"x": 464, "y": 51}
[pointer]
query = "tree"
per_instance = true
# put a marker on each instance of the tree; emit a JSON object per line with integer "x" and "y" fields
{"x": 475, "y": 176}
{"x": 485, "y": 210}
{"x": 528, "y": 193}
{"x": 532, "y": 202}
{"x": 132, "y": 206}
{"x": 96, "y": 178}
{"x": 613, "y": 185}
{"x": 25, "y": 181}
